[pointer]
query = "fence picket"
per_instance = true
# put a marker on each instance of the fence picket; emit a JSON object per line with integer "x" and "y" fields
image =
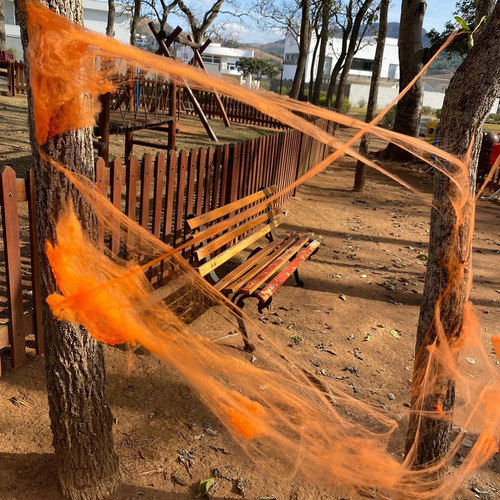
{"x": 36, "y": 290}
{"x": 159, "y": 181}
{"x": 116, "y": 200}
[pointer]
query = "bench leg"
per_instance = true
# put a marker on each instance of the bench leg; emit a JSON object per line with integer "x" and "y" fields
{"x": 298, "y": 281}
{"x": 248, "y": 346}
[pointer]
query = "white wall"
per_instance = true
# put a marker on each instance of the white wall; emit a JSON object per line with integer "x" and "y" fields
{"x": 434, "y": 100}
{"x": 95, "y": 14}
{"x": 366, "y": 52}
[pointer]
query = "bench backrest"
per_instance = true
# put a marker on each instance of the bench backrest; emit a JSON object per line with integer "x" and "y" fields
{"x": 234, "y": 224}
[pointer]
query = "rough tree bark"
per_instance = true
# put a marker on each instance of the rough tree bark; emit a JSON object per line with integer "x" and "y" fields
{"x": 411, "y": 62}
{"x": 468, "y": 101}
{"x": 2, "y": 24}
{"x": 326, "y": 7}
{"x": 81, "y": 419}
{"x": 304, "y": 41}
{"x": 110, "y": 27}
{"x": 351, "y": 50}
{"x": 360, "y": 176}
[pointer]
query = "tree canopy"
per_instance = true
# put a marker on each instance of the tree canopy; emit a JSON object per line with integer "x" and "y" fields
{"x": 258, "y": 68}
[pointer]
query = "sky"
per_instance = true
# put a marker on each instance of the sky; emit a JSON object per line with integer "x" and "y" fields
{"x": 438, "y": 12}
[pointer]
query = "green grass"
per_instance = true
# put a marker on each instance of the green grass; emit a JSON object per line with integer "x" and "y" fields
{"x": 495, "y": 127}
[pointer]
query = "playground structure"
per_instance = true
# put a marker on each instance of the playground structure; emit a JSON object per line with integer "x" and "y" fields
{"x": 152, "y": 103}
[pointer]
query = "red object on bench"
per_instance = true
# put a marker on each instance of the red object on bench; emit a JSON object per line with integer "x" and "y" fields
{"x": 495, "y": 152}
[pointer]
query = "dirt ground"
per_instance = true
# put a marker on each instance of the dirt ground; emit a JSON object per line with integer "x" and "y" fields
{"x": 366, "y": 280}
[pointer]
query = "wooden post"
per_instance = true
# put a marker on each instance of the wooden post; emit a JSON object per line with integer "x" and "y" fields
{"x": 172, "y": 126}
{"x": 197, "y": 57}
{"x": 104, "y": 118}
{"x": 164, "y": 50}
{"x": 12, "y": 251}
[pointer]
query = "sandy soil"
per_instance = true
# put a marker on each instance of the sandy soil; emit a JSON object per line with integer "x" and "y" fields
{"x": 366, "y": 280}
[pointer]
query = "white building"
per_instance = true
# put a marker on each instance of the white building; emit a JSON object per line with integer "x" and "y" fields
{"x": 95, "y": 14}
{"x": 217, "y": 59}
{"x": 361, "y": 65}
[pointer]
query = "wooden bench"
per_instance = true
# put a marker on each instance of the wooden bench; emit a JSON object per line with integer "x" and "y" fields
{"x": 233, "y": 228}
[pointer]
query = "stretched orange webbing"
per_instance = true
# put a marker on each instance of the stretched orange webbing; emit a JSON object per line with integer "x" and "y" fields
{"x": 271, "y": 407}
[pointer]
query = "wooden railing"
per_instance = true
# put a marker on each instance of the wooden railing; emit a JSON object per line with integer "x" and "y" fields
{"x": 158, "y": 193}
{"x": 16, "y": 78}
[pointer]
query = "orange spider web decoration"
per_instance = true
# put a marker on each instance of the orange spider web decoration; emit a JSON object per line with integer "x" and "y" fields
{"x": 271, "y": 405}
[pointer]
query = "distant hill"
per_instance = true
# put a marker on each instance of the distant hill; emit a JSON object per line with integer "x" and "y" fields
{"x": 276, "y": 48}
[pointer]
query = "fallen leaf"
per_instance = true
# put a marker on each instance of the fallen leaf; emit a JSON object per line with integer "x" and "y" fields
{"x": 342, "y": 297}
{"x": 395, "y": 334}
{"x": 363, "y": 276}
{"x": 205, "y": 486}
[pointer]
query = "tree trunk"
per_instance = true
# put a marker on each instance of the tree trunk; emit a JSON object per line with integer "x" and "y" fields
{"x": 110, "y": 27}
{"x": 311, "y": 71}
{"x": 304, "y": 41}
{"x": 324, "y": 35}
{"x": 351, "y": 50}
{"x": 411, "y": 62}
{"x": 2, "y": 24}
{"x": 360, "y": 176}
{"x": 468, "y": 101}
{"x": 136, "y": 16}
{"x": 81, "y": 419}
{"x": 346, "y": 32}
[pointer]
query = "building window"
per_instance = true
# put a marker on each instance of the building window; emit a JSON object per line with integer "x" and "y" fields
{"x": 291, "y": 58}
{"x": 211, "y": 59}
{"x": 10, "y": 16}
{"x": 231, "y": 66}
{"x": 362, "y": 64}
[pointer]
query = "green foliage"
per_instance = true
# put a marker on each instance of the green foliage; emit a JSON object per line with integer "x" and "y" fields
{"x": 390, "y": 117}
{"x": 362, "y": 103}
{"x": 14, "y": 52}
{"x": 346, "y": 105}
{"x": 439, "y": 112}
{"x": 493, "y": 118}
{"x": 428, "y": 111}
{"x": 284, "y": 90}
{"x": 463, "y": 24}
{"x": 257, "y": 68}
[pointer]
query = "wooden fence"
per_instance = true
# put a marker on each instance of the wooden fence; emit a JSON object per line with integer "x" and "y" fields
{"x": 158, "y": 193}
{"x": 237, "y": 112}
{"x": 152, "y": 95}
{"x": 16, "y": 78}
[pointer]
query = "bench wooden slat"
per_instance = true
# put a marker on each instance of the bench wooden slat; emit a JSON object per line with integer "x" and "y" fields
{"x": 275, "y": 266}
{"x": 238, "y": 247}
{"x": 262, "y": 264}
{"x": 208, "y": 217}
{"x": 269, "y": 290}
{"x": 245, "y": 266}
{"x": 231, "y": 235}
